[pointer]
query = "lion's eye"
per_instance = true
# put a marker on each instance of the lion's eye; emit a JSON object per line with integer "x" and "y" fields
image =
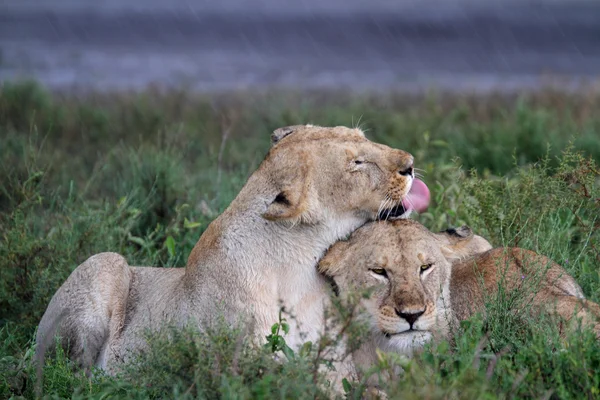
{"x": 379, "y": 271}
{"x": 358, "y": 162}
{"x": 425, "y": 267}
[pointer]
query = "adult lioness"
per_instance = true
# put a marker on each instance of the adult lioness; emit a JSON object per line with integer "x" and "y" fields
{"x": 423, "y": 282}
{"x": 315, "y": 186}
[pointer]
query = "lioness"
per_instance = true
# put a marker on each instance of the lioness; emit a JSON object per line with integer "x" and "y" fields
{"x": 315, "y": 186}
{"x": 422, "y": 283}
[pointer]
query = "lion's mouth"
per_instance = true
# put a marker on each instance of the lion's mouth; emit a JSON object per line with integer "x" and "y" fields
{"x": 410, "y": 331}
{"x": 417, "y": 199}
{"x": 398, "y": 211}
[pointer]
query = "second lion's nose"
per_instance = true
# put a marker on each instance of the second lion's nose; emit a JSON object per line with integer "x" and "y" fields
{"x": 410, "y": 317}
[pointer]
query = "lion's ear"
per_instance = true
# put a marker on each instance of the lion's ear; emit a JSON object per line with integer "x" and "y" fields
{"x": 458, "y": 244}
{"x": 280, "y": 133}
{"x": 455, "y": 235}
{"x": 288, "y": 204}
{"x": 290, "y": 200}
{"x": 461, "y": 243}
{"x": 333, "y": 261}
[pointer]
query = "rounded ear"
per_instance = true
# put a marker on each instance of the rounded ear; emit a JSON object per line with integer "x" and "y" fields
{"x": 455, "y": 235}
{"x": 461, "y": 243}
{"x": 456, "y": 242}
{"x": 287, "y": 204}
{"x": 333, "y": 261}
{"x": 280, "y": 133}
{"x": 290, "y": 200}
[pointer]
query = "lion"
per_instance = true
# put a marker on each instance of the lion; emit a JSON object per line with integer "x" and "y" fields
{"x": 423, "y": 283}
{"x": 315, "y": 186}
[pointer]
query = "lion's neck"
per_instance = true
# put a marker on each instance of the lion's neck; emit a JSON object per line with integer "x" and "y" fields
{"x": 266, "y": 263}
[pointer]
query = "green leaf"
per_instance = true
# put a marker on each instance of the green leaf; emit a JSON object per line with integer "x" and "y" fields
{"x": 121, "y": 201}
{"x": 275, "y": 328}
{"x": 443, "y": 347}
{"x": 269, "y": 344}
{"x": 137, "y": 240}
{"x": 305, "y": 349}
{"x": 187, "y": 224}
{"x": 289, "y": 353}
{"x": 439, "y": 143}
{"x": 134, "y": 212}
{"x": 347, "y": 386}
{"x": 285, "y": 327}
{"x": 170, "y": 244}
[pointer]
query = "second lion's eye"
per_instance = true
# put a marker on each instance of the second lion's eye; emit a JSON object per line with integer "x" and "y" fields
{"x": 379, "y": 271}
{"x": 425, "y": 267}
{"x": 358, "y": 162}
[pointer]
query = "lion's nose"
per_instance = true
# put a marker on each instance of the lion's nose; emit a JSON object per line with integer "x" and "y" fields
{"x": 404, "y": 163}
{"x": 410, "y": 317}
{"x": 406, "y": 171}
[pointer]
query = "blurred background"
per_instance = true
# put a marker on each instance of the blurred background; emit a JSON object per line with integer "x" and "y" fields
{"x": 474, "y": 45}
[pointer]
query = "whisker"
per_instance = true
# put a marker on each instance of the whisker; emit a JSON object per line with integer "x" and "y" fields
{"x": 386, "y": 209}
{"x": 383, "y": 205}
{"x": 358, "y": 122}
{"x": 389, "y": 209}
{"x": 413, "y": 209}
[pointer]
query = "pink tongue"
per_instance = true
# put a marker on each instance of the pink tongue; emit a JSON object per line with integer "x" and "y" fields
{"x": 418, "y": 197}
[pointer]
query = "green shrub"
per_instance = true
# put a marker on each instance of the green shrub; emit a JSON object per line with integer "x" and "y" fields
{"x": 144, "y": 174}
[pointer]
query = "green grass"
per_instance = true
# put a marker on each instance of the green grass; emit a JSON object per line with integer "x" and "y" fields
{"x": 144, "y": 174}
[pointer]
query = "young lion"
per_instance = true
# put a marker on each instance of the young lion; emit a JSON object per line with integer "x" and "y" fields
{"x": 423, "y": 282}
{"x": 315, "y": 186}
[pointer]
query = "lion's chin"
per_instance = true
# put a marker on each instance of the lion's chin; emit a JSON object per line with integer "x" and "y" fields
{"x": 408, "y": 341}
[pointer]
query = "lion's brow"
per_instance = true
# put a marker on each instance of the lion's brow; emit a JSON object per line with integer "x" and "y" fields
{"x": 425, "y": 258}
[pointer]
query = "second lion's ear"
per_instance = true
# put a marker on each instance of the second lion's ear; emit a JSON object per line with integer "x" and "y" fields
{"x": 458, "y": 243}
{"x": 280, "y": 133}
{"x": 461, "y": 242}
{"x": 455, "y": 235}
{"x": 333, "y": 262}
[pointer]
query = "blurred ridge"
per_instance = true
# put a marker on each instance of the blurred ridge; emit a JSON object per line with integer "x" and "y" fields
{"x": 453, "y": 47}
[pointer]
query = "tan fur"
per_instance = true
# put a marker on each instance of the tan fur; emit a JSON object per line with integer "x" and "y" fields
{"x": 259, "y": 254}
{"x": 464, "y": 270}
{"x": 473, "y": 244}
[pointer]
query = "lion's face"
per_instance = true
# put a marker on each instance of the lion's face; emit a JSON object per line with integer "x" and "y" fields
{"x": 330, "y": 172}
{"x": 402, "y": 265}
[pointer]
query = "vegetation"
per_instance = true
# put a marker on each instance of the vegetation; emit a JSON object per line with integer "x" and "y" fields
{"x": 144, "y": 174}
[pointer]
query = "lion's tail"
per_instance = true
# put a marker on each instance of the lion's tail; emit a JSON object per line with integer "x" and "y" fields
{"x": 44, "y": 338}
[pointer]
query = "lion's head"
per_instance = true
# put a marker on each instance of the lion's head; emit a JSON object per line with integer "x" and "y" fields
{"x": 406, "y": 270}
{"x": 319, "y": 172}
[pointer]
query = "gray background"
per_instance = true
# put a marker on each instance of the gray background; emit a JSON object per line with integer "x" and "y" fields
{"x": 236, "y": 44}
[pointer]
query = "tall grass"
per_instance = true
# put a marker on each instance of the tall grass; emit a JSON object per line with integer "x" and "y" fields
{"x": 144, "y": 174}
